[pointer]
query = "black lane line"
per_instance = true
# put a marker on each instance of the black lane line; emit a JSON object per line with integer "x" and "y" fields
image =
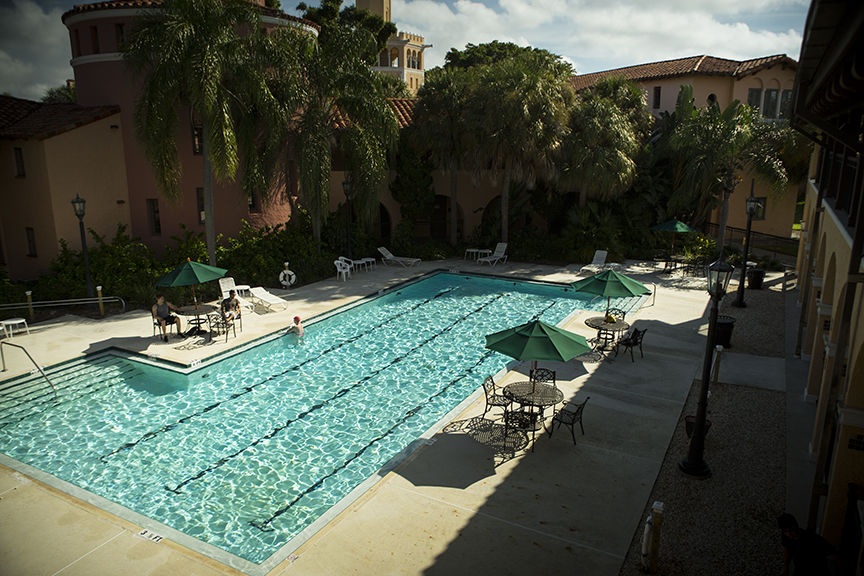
{"x": 264, "y": 526}
{"x": 225, "y": 459}
{"x": 243, "y": 391}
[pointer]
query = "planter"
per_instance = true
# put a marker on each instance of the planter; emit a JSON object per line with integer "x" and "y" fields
{"x": 690, "y": 422}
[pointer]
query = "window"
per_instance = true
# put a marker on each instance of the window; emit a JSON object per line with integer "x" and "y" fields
{"x": 31, "y": 242}
{"x": 153, "y": 216}
{"x": 120, "y": 32}
{"x": 19, "y": 163}
{"x": 197, "y": 138}
{"x": 76, "y": 42}
{"x": 94, "y": 39}
{"x": 769, "y": 109}
{"x": 199, "y": 195}
{"x": 254, "y": 207}
{"x": 754, "y": 98}
{"x": 656, "y": 103}
{"x": 785, "y": 100}
{"x": 760, "y": 208}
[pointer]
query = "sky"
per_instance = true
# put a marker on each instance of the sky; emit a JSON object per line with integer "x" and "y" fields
{"x": 593, "y": 35}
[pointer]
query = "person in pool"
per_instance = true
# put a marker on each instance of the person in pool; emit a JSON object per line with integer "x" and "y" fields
{"x": 297, "y": 327}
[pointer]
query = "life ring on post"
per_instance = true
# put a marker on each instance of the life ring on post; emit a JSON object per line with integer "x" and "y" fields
{"x": 287, "y": 278}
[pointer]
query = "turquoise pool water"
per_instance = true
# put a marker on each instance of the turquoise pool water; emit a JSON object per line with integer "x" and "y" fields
{"x": 246, "y": 452}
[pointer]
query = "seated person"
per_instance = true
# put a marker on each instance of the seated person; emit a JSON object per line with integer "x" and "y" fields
{"x": 230, "y": 307}
{"x": 297, "y": 327}
{"x": 162, "y": 313}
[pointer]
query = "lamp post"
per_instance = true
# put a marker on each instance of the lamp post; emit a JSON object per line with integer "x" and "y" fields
{"x": 694, "y": 465}
{"x": 78, "y": 206}
{"x": 346, "y": 186}
{"x": 752, "y": 206}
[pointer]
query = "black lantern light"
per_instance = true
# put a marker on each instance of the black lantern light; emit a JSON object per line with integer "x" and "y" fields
{"x": 719, "y": 273}
{"x": 78, "y": 205}
{"x": 752, "y": 206}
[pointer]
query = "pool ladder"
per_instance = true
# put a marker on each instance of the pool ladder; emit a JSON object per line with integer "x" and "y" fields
{"x": 3, "y": 358}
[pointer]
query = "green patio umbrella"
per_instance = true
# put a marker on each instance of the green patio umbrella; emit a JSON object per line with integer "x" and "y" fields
{"x": 610, "y": 283}
{"x": 673, "y": 226}
{"x": 189, "y": 274}
{"x": 537, "y": 341}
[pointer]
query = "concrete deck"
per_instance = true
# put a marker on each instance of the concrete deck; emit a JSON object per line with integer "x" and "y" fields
{"x": 468, "y": 501}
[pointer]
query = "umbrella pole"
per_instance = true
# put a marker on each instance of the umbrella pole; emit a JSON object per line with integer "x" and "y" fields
{"x": 194, "y": 299}
{"x": 534, "y": 377}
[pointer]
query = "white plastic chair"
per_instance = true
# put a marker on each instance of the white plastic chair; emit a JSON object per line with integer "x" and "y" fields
{"x": 226, "y": 285}
{"x": 266, "y": 299}
{"x": 342, "y": 270}
{"x": 406, "y": 262}
{"x": 499, "y": 254}
{"x": 349, "y": 263}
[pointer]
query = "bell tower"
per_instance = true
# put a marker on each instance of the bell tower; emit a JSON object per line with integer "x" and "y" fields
{"x": 379, "y": 7}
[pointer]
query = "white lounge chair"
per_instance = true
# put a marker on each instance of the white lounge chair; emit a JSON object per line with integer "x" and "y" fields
{"x": 342, "y": 269}
{"x": 266, "y": 299}
{"x": 406, "y": 262}
{"x": 499, "y": 254}
{"x": 599, "y": 263}
{"x": 226, "y": 285}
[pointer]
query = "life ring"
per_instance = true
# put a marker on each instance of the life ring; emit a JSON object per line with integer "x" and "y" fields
{"x": 287, "y": 278}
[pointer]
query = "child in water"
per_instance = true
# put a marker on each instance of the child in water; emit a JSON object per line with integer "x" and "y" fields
{"x": 297, "y": 327}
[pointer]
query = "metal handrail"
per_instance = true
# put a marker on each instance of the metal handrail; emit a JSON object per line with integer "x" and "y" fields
{"x": 70, "y": 302}
{"x": 3, "y": 358}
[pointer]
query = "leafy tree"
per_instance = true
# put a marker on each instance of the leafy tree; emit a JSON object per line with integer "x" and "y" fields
{"x": 189, "y": 53}
{"x": 328, "y": 14}
{"x": 60, "y": 94}
{"x": 395, "y": 87}
{"x": 342, "y": 98}
{"x": 439, "y": 125}
{"x": 412, "y": 186}
{"x": 517, "y": 116}
{"x": 494, "y": 52}
{"x": 720, "y": 144}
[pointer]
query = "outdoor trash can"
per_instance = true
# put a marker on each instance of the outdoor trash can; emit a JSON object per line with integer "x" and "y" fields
{"x": 725, "y": 324}
{"x": 755, "y": 276}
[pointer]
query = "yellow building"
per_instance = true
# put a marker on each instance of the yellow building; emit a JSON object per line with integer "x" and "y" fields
{"x": 828, "y": 106}
{"x": 403, "y": 57}
{"x": 764, "y": 83}
{"x": 52, "y": 153}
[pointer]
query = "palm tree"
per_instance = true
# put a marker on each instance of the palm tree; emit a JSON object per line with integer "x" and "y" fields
{"x": 342, "y": 97}
{"x": 723, "y": 143}
{"x": 188, "y": 53}
{"x": 599, "y": 156}
{"x": 439, "y": 126}
{"x": 517, "y": 121}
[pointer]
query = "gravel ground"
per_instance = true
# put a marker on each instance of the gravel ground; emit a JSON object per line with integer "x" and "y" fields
{"x": 726, "y": 524}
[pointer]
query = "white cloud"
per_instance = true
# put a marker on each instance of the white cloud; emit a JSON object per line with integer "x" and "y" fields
{"x": 34, "y": 49}
{"x": 605, "y": 34}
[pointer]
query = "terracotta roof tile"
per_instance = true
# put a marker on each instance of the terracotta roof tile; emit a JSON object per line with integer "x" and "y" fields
{"x": 404, "y": 108}
{"x": 143, "y": 4}
{"x": 46, "y": 120}
{"x": 692, "y": 65}
{"x": 14, "y": 109}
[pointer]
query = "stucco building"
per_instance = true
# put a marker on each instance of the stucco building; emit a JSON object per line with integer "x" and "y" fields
{"x": 764, "y": 83}
{"x": 828, "y": 106}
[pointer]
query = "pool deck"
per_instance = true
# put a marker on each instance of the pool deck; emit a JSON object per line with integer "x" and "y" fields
{"x": 467, "y": 501}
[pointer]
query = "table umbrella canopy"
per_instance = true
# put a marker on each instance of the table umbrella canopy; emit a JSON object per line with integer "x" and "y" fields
{"x": 537, "y": 341}
{"x": 191, "y": 273}
{"x": 673, "y": 226}
{"x": 610, "y": 283}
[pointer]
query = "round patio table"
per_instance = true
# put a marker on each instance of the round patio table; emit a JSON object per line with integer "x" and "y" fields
{"x": 537, "y": 394}
{"x": 197, "y": 321}
{"x": 600, "y": 324}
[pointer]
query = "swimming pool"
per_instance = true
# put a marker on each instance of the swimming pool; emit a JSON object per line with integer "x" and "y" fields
{"x": 246, "y": 453}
